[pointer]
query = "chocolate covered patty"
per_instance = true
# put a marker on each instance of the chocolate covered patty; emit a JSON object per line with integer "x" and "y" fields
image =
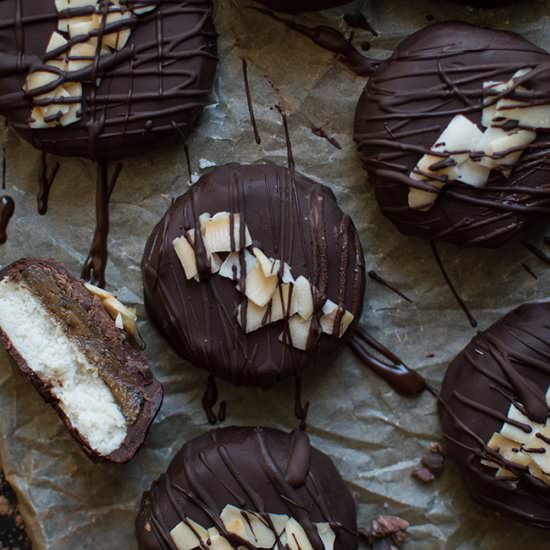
{"x": 453, "y": 132}
{"x": 298, "y": 6}
{"x": 74, "y": 343}
{"x": 495, "y": 417}
{"x": 254, "y": 274}
{"x": 249, "y": 488}
{"x": 104, "y": 80}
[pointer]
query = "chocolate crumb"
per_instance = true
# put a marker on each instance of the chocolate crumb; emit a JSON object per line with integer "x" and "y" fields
{"x": 435, "y": 463}
{"x": 423, "y": 474}
{"x": 386, "y": 533}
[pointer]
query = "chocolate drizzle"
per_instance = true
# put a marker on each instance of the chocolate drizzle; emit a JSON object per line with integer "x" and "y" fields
{"x": 536, "y": 251}
{"x": 263, "y": 471}
{"x": 46, "y": 181}
{"x": 7, "y": 208}
{"x": 96, "y": 262}
{"x": 209, "y": 401}
{"x": 432, "y": 76}
{"x": 386, "y": 364}
{"x": 334, "y": 41}
{"x": 289, "y": 217}
{"x": 249, "y": 102}
{"x": 380, "y": 280}
{"x": 452, "y": 287}
{"x": 507, "y": 364}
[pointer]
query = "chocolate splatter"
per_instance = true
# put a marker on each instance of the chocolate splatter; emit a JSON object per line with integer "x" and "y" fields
{"x": 320, "y": 132}
{"x": 96, "y": 262}
{"x": 536, "y": 251}
{"x": 387, "y": 365}
{"x": 379, "y": 279}
{"x": 249, "y": 102}
{"x": 359, "y": 21}
{"x": 334, "y": 41}
{"x": 451, "y": 286}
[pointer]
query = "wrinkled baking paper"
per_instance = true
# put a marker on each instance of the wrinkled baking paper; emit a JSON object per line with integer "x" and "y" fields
{"x": 375, "y": 436}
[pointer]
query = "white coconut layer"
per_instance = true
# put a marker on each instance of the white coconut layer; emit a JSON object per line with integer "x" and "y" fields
{"x": 57, "y": 360}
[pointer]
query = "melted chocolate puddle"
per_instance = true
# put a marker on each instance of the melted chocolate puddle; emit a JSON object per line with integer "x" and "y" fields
{"x": 257, "y": 137}
{"x": 96, "y": 263}
{"x": 452, "y": 288}
{"x": 188, "y": 161}
{"x": 45, "y": 184}
{"x": 380, "y": 280}
{"x": 334, "y": 41}
{"x": 390, "y": 367}
{"x": 209, "y": 401}
{"x": 7, "y": 208}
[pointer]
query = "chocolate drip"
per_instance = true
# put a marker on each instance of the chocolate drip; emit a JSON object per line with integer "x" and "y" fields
{"x": 529, "y": 270}
{"x": 451, "y": 286}
{"x": 250, "y": 104}
{"x": 359, "y": 21}
{"x": 319, "y": 132}
{"x": 288, "y": 217}
{"x": 188, "y": 162}
{"x": 246, "y": 467}
{"x": 334, "y": 41}
{"x": 434, "y": 75}
{"x": 300, "y": 410}
{"x": 46, "y": 181}
{"x": 507, "y": 364}
{"x": 392, "y": 369}
{"x": 209, "y": 401}
{"x": 379, "y": 279}
{"x": 536, "y": 251}
{"x": 96, "y": 263}
{"x": 7, "y": 208}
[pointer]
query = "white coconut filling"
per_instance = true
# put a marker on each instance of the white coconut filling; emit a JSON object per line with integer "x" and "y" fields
{"x": 56, "y": 359}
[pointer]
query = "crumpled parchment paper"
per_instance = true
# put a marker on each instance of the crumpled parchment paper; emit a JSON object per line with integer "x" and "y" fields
{"x": 375, "y": 436}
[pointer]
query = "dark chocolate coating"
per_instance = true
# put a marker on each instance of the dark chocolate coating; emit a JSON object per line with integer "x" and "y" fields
{"x": 290, "y": 217}
{"x": 260, "y": 470}
{"x": 432, "y": 76}
{"x": 509, "y": 362}
{"x": 125, "y": 371}
{"x": 299, "y": 6}
{"x": 151, "y": 91}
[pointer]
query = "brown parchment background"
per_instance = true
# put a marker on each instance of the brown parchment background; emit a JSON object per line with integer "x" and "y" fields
{"x": 375, "y": 436}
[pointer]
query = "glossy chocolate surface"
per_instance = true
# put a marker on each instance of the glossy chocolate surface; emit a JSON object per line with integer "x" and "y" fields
{"x": 291, "y": 218}
{"x": 432, "y": 76}
{"x": 151, "y": 91}
{"x": 260, "y": 470}
{"x": 508, "y": 363}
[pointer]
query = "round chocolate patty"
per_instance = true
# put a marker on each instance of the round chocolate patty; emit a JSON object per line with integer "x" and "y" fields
{"x": 270, "y": 486}
{"x": 150, "y": 91}
{"x": 290, "y": 218}
{"x": 506, "y": 364}
{"x": 298, "y": 6}
{"x": 432, "y": 78}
